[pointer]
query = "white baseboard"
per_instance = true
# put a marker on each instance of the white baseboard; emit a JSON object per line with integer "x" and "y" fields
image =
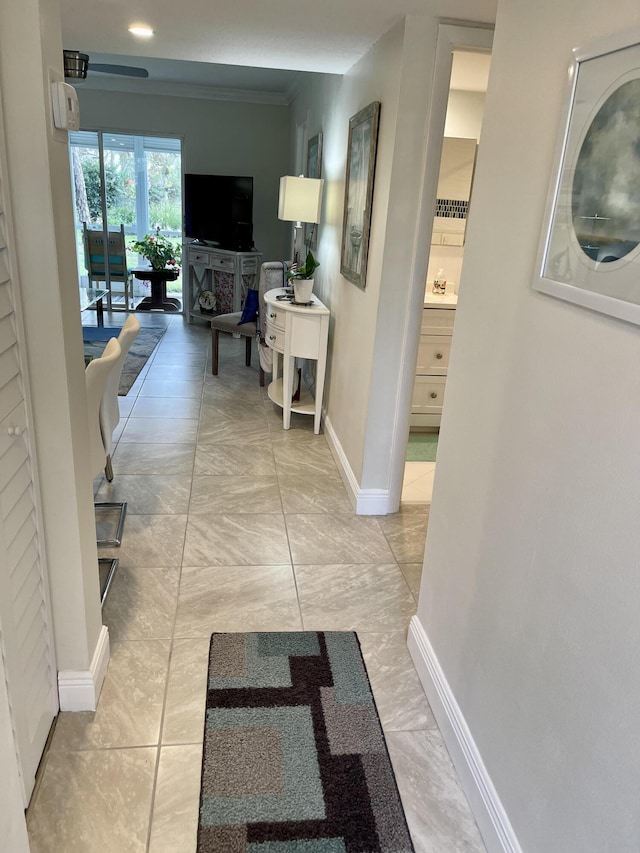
{"x": 78, "y": 690}
{"x": 490, "y": 815}
{"x": 365, "y": 501}
{"x": 373, "y": 502}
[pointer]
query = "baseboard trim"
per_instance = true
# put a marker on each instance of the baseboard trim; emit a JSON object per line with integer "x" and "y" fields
{"x": 373, "y": 502}
{"x": 491, "y": 817}
{"x": 79, "y": 690}
{"x": 365, "y": 501}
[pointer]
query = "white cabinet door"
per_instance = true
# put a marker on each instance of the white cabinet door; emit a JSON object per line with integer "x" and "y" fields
{"x": 26, "y": 642}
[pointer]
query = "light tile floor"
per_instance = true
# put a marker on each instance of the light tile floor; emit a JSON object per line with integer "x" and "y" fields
{"x": 233, "y": 525}
{"x": 417, "y": 484}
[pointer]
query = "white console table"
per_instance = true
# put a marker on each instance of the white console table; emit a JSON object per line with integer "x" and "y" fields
{"x": 302, "y": 331}
{"x": 224, "y": 272}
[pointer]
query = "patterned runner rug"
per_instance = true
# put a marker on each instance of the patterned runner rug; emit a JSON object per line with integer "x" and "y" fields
{"x": 294, "y": 756}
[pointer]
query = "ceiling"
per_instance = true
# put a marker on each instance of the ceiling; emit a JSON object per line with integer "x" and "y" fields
{"x": 296, "y": 35}
{"x": 469, "y": 72}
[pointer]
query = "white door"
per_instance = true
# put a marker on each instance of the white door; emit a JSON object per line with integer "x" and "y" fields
{"x": 25, "y": 625}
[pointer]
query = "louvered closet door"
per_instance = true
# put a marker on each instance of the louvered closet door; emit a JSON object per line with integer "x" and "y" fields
{"x": 25, "y": 628}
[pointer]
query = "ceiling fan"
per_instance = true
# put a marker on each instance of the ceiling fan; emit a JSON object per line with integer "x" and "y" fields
{"x": 77, "y": 64}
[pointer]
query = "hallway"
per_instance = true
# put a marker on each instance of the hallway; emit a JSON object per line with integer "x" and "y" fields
{"x": 233, "y": 525}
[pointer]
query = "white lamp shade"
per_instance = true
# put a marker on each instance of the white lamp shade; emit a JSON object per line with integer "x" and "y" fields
{"x": 300, "y": 199}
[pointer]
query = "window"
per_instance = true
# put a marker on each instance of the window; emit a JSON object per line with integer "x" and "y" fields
{"x": 123, "y": 179}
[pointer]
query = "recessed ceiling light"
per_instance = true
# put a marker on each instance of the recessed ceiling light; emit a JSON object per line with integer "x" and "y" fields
{"x": 143, "y": 32}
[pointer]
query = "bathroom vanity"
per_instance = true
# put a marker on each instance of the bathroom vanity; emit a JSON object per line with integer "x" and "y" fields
{"x": 438, "y": 315}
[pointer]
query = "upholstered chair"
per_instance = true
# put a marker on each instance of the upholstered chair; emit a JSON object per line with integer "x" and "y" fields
{"x": 272, "y": 274}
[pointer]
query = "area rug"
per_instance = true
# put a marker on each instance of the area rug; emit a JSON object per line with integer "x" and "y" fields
{"x": 95, "y": 340}
{"x": 294, "y": 757}
{"x": 422, "y": 447}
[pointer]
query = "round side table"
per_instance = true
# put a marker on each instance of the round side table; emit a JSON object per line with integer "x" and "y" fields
{"x": 158, "y": 301}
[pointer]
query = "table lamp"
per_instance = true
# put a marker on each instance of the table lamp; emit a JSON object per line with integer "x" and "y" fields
{"x": 299, "y": 201}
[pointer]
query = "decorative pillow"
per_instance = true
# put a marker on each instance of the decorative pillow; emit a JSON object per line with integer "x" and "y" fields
{"x": 250, "y": 310}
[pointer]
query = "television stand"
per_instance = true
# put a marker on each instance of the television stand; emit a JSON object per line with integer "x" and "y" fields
{"x": 227, "y": 274}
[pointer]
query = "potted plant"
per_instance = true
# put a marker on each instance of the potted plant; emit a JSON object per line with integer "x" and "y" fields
{"x": 161, "y": 253}
{"x": 301, "y": 277}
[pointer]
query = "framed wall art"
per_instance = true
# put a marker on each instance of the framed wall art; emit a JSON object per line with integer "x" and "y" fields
{"x": 590, "y": 245}
{"x": 314, "y": 170}
{"x": 358, "y": 194}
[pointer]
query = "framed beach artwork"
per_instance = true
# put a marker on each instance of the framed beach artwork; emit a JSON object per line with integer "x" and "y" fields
{"x": 358, "y": 194}
{"x": 590, "y": 245}
{"x": 314, "y": 170}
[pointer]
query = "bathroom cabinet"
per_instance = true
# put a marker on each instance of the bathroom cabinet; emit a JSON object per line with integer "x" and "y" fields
{"x": 436, "y": 329}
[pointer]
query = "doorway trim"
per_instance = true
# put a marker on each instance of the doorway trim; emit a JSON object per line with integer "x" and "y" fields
{"x": 451, "y": 36}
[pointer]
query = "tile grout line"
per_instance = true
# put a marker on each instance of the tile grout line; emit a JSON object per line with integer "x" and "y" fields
{"x": 168, "y": 677}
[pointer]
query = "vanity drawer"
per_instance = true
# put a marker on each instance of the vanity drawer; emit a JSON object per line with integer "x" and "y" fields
{"x": 433, "y": 355}
{"x": 428, "y": 395}
{"x": 198, "y": 257}
{"x": 222, "y": 263}
{"x": 275, "y": 337}
{"x": 249, "y": 265}
{"x": 276, "y": 317}
{"x": 437, "y": 321}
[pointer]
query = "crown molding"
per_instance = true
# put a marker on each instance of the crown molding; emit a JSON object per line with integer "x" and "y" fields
{"x": 182, "y": 90}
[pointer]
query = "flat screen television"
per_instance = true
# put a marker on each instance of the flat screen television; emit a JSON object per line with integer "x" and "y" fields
{"x": 219, "y": 210}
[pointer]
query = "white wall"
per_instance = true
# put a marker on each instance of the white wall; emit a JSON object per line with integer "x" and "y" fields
{"x": 464, "y": 114}
{"x": 368, "y": 326}
{"x": 38, "y": 168}
{"x": 40, "y": 192}
{"x": 329, "y": 103}
{"x": 220, "y": 137}
{"x": 530, "y": 594}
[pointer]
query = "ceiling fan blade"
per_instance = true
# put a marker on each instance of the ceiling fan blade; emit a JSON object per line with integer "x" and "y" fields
{"x": 123, "y": 70}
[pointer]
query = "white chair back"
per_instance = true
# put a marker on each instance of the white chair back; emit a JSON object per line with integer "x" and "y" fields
{"x": 109, "y": 407}
{"x": 96, "y": 376}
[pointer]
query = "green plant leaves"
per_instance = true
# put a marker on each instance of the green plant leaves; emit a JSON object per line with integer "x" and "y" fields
{"x": 306, "y": 270}
{"x": 158, "y": 250}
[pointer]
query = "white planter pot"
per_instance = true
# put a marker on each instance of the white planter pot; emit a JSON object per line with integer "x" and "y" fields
{"x": 302, "y": 289}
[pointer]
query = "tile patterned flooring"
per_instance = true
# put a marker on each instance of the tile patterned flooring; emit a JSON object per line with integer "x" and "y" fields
{"x": 233, "y": 525}
{"x": 417, "y": 483}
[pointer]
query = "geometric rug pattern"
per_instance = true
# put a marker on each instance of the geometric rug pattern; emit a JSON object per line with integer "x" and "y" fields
{"x": 95, "y": 340}
{"x": 294, "y": 756}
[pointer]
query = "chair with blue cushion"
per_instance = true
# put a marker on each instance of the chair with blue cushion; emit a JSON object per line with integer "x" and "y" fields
{"x": 94, "y": 261}
{"x": 246, "y": 323}
{"x": 242, "y": 323}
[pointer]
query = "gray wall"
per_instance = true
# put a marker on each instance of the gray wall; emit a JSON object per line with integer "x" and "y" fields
{"x": 220, "y": 137}
{"x": 530, "y": 594}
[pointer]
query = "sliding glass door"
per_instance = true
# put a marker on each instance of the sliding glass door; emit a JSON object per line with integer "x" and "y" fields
{"x": 129, "y": 182}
